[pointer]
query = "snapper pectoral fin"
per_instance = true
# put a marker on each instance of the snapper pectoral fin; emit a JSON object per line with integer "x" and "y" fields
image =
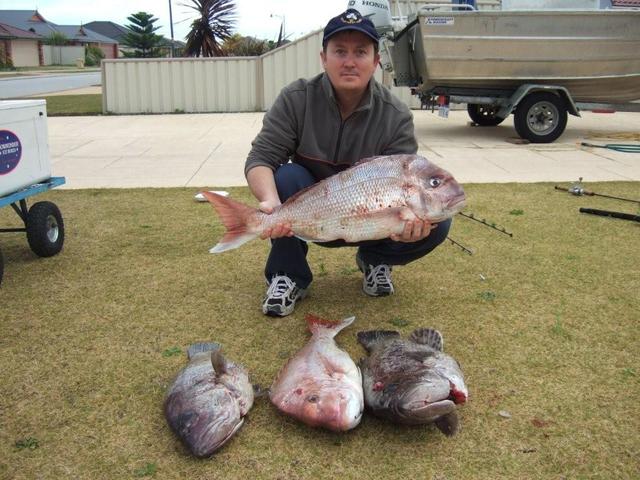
{"x": 448, "y": 424}
{"x": 432, "y": 411}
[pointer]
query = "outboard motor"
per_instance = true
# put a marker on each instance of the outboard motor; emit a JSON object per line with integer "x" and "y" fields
{"x": 378, "y": 11}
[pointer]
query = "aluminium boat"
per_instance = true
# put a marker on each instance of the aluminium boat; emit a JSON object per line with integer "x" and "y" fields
{"x": 594, "y": 54}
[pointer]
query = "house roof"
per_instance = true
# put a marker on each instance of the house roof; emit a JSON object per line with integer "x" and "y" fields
{"x": 108, "y": 29}
{"x": 8, "y": 31}
{"x": 30, "y": 20}
{"x": 33, "y": 21}
{"x": 83, "y": 34}
{"x": 117, "y": 32}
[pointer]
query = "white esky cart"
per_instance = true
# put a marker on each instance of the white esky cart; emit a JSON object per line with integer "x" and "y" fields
{"x": 25, "y": 171}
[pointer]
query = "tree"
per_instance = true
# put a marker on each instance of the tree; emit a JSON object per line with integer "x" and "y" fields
{"x": 214, "y": 26}
{"x": 140, "y": 36}
{"x": 56, "y": 38}
{"x": 92, "y": 56}
{"x": 238, "y": 46}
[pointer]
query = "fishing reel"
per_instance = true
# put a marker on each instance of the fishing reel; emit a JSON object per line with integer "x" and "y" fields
{"x": 576, "y": 188}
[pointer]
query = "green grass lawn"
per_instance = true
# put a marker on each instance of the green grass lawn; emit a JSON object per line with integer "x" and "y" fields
{"x": 544, "y": 324}
{"x": 87, "y": 104}
{"x": 63, "y": 105}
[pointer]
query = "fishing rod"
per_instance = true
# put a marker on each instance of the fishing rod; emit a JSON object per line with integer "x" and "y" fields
{"x": 577, "y": 189}
{"x": 471, "y": 216}
{"x": 607, "y": 213}
{"x": 459, "y": 245}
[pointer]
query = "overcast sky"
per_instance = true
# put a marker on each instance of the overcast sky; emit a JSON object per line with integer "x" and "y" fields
{"x": 253, "y": 16}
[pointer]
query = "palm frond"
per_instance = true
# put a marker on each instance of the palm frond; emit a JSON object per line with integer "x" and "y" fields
{"x": 214, "y": 25}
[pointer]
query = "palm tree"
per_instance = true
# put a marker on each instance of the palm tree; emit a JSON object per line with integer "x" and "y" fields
{"x": 214, "y": 25}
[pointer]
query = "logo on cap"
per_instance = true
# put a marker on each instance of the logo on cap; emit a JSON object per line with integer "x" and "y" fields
{"x": 351, "y": 18}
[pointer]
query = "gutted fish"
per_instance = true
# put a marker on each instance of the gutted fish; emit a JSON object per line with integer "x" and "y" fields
{"x": 321, "y": 385}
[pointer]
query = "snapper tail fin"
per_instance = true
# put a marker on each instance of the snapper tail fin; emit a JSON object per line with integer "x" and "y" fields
{"x": 319, "y": 325}
{"x": 235, "y": 217}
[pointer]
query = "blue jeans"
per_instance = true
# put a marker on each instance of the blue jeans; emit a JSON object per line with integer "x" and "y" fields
{"x": 289, "y": 254}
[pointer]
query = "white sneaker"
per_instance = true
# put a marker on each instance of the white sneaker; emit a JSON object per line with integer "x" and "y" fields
{"x": 377, "y": 280}
{"x": 281, "y": 296}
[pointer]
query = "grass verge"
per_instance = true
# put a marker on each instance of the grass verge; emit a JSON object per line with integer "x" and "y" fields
{"x": 60, "y": 105}
{"x": 544, "y": 325}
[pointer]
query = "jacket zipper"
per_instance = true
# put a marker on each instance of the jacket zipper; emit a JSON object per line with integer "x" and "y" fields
{"x": 335, "y": 154}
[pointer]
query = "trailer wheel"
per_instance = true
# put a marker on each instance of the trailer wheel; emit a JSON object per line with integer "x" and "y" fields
{"x": 484, "y": 115}
{"x": 45, "y": 229}
{"x": 541, "y": 117}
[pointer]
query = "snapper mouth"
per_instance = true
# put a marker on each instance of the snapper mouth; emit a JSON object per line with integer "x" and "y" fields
{"x": 457, "y": 202}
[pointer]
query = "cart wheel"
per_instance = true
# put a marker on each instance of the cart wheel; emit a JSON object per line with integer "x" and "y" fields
{"x": 45, "y": 229}
{"x": 541, "y": 117}
{"x": 484, "y": 115}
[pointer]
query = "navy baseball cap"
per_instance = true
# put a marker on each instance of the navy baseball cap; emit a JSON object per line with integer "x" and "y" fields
{"x": 350, "y": 20}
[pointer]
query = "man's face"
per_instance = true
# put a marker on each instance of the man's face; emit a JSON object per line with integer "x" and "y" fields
{"x": 350, "y": 61}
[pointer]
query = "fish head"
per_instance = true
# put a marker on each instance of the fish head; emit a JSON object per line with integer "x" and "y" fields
{"x": 431, "y": 192}
{"x": 203, "y": 429}
{"x": 334, "y": 409}
{"x": 421, "y": 400}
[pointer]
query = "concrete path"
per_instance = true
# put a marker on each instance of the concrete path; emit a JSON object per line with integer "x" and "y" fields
{"x": 209, "y": 150}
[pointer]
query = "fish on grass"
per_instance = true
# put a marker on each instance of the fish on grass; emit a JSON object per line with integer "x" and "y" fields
{"x": 412, "y": 381}
{"x": 368, "y": 201}
{"x": 321, "y": 385}
{"x": 208, "y": 399}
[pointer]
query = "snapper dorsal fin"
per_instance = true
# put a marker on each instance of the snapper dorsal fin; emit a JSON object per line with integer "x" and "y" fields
{"x": 201, "y": 347}
{"x": 319, "y": 325}
{"x": 428, "y": 336}
{"x": 368, "y": 339}
{"x": 218, "y": 362}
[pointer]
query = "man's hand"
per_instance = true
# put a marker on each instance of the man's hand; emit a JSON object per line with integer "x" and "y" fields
{"x": 414, "y": 230}
{"x": 279, "y": 230}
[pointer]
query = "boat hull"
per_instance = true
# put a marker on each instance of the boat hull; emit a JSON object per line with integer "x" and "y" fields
{"x": 594, "y": 54}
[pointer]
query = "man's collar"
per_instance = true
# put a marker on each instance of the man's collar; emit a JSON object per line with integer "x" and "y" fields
{"x": 367, "y": 99}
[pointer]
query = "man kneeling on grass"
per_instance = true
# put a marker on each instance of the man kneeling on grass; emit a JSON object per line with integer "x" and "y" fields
{"x": 317, "y": 128}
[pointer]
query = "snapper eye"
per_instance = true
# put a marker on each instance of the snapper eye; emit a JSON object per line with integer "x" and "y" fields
{"x": 434, "y": 182}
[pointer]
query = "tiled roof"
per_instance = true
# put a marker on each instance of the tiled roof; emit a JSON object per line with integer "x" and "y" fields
{"x": 8, "y": 31}
{"x": 83, "y": 34}
{"x": 108, "y": 29}
{"x": 32, "y": 20}
{"x": 29, "y": 20}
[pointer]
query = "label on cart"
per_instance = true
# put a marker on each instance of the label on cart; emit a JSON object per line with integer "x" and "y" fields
{"x": 439, "y": 21}
{"x": 10, "y": 151}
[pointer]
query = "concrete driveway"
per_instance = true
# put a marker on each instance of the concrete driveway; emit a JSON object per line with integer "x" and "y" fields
{"x": 209, "y": 150}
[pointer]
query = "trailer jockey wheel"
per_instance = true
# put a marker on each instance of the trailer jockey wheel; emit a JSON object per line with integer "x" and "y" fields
{"x": 45, "y": 229}
{"x": 484, "y": 115}
{"x": 541, "y": 117}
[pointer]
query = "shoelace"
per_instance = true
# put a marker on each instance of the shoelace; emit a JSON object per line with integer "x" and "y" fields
{"x": 380, "y": 275}
{"x": 280, "y": 284}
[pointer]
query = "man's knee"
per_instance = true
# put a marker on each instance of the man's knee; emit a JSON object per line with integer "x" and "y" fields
{"x": 439, "y": 234}
{"x": 291, "y": 178}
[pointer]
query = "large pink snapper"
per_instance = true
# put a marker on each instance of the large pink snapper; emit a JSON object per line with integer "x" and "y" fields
{"x": 321, "y": 385}
{"x": 368, "y": 201}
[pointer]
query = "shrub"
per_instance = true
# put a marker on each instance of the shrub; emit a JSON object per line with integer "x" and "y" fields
{"x": 92, "y": 56}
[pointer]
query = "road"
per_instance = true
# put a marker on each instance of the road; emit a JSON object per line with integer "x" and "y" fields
{"x": 33, "y": 85}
